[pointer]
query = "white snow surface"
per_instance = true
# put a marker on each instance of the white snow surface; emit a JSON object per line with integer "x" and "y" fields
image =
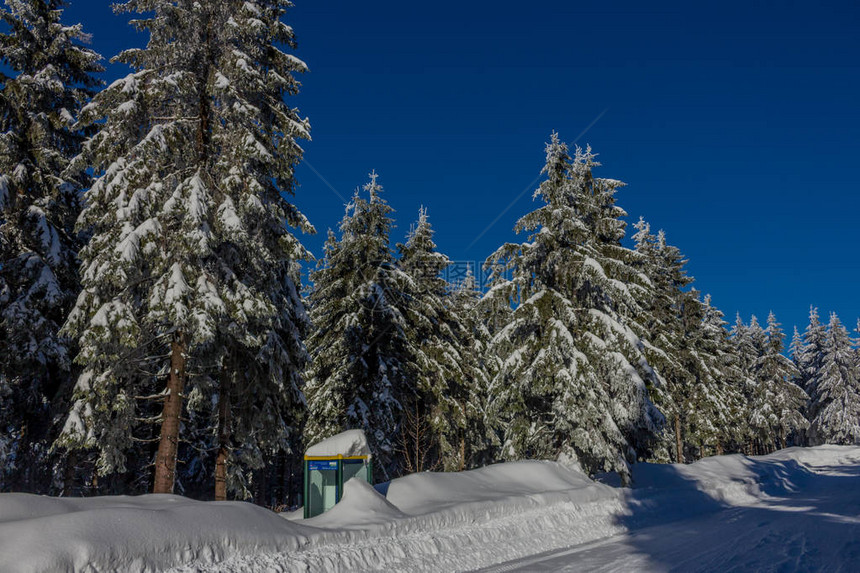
{"x": 795, "y": 510}
{"x": 347, "y": 444}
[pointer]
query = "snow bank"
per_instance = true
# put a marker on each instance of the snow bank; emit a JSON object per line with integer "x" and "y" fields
{"x": 741, "y": 480}
{"x": 449, "y": 522}
{"x": 425, "y": 522}
{"x": 427, "y": 492}
{"x": 821, "y": 458}
{"x": 347, "y": 444}
{"x": 123, "y": 533}
{"x": 361, "y": 505}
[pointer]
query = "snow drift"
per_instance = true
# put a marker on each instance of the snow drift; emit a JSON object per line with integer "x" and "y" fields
{"x": 423, "y": 522}
{"x": 122, "y": 533}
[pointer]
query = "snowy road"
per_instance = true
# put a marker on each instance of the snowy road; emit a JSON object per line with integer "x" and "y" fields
{"x": 815, "y": 528}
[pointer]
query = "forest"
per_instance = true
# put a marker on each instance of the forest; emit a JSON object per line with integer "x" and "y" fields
{"x": 163, "y": 328}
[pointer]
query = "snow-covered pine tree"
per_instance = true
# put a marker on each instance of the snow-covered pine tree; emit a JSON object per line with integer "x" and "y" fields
{"x": 791, "y": 399}
{"x": 706, "y": 397}
{"x": 573, "y": 380}
{"x": 836, "y": 397}
{"x": 480, "y": 439}
{"x": 51, "y": 78}
{"x": 189, "y": 279}
{"x": 809, "y": 355}
{"x": 728, "y": 415}
{"x": 668, "y": 340}
{"x": 742, "y": 339}
{"x": 761, "y": 416}
{"x": 795, "y": 351}
{"x": 446, "y": 373}
{"x": 256, "y": 133}
{"x": 685, "y": 346}
{"x": 747, "y": 350}
{"x": 362, "y": 365}
{"x": 777, "y": 401}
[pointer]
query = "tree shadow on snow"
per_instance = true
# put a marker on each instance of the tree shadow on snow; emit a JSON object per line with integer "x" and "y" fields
{"x": 783, "y": 517}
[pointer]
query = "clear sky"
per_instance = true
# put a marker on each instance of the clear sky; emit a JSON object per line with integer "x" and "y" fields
{"x": 735, "y": 124}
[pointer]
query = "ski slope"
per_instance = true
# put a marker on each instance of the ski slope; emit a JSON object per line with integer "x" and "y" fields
{"x": 796, "y": 510}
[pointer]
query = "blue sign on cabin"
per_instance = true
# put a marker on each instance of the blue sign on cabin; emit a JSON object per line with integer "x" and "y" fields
{"x": 322, "y": 465}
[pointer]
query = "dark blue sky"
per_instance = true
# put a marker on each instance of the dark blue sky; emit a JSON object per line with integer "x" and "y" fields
{"x": 735, "y": 124}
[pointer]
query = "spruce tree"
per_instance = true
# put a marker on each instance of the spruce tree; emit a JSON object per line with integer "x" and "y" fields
{"x": 808, "y": 356}
{"x": 777, "y": 401}
{"x": 836, "y": 393}
{"x": 747, "y": 350}
{"x": 727, "y": 415}
{"x": 572, "y": 382}
{"x": 446, "y": 372}
{"x": 796, "y": 350}
{"x": 687, "y": 344}
{"x": 761, "y": 416}
{"x": 51, "y": 79}
{"x": 363, "y": 366}
{"x": 480, "y": 439}
{"x": 668, "y": 336}
{"x": 189, "y": 280}
{"x": 791, "y": 399}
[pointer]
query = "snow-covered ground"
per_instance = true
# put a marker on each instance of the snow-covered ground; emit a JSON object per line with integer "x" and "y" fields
{"x": 796, "y": 510}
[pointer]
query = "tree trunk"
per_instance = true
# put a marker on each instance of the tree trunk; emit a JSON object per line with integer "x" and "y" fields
{"x": 23, "y": 478}
{"x": 168, "y": 445}
{"x": 279, "y": 489}
{"x": 720, "y": 450}
{"x": 679, "y": 444}
{"x": 261, "y": 477}
{"x": 462, "y": 453}
{"x": 223, "y": 436}
{"x": 69, "y": 473}
{"x": 290, "y": 486}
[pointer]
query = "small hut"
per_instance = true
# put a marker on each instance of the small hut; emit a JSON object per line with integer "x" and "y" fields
{"x": 331, "y": 463}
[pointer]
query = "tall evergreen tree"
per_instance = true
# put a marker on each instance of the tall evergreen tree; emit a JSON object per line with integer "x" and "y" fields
{"x": 480, "y": 439}
{"x": 795, "y": 351}
{"x": 727, "y": 415}
{"x": 795, "y": 348}
{"x": 809, "y": 354}
{"x": 760, "y": 415}
{"x": 363, "y": 366}
{"x": 669, "y": 340}
{"x": 189, "y": 278}
{"x": 747, "y": 341}
{"x": 572, "y": 383}
{"x": 51, "y": 79}
{"x": 435, "y": 335}
{"x": 688, "y": 346}
{"x": 836, "y": 397}
{"x": 777, "y": 401}
{"x": 447, "y": 373}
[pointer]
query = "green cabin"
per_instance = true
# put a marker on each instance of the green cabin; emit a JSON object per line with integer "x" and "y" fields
{"x": 331, "y": 463}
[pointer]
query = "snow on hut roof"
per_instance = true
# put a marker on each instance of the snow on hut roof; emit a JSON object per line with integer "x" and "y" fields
{"x": 350, "y": 443}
